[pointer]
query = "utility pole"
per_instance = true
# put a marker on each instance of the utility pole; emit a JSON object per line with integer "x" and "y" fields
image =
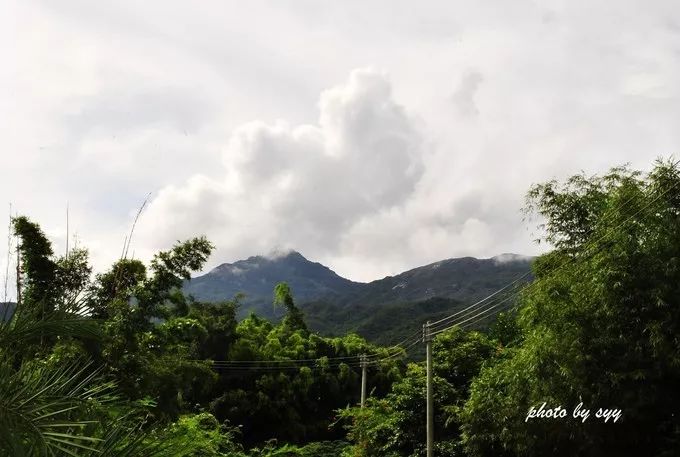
{"x": 18, "y": 277}
{"x": 427, "y": 339}
{"x": 67, "y": 231}
{"x": 9, "y": 255}
{"x": 364, "y": 365}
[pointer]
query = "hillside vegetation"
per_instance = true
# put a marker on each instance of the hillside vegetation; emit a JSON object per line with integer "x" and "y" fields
{"x": 378, "y": 310}
{"x": 124, "y": 364}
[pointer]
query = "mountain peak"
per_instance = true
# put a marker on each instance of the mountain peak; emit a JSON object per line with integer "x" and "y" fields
{"x": 281, "y": 253}
{"x": 257, "y": 261}
{"x": 256, "y": 277}
{"x": 331, "y": 301}
{"x": 510, "y": 257}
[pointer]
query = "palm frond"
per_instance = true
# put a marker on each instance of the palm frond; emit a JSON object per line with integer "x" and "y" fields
{"x": 41, "y": 407}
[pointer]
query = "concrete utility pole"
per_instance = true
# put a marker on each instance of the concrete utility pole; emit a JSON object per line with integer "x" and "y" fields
{"x": 66, "y": 230}
{"x": 18, "y": 276}
{"x": 427, "y": 339}
{"x": 364, "y": 365}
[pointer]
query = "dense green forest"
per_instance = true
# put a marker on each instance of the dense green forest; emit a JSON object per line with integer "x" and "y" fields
{"x": 121, "y": 363}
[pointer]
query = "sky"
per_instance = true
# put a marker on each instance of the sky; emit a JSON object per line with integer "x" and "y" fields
{"x": 372, "y": 137}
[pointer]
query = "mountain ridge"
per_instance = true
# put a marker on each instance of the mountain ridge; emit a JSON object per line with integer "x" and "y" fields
{"x": 256, "y": 277}
{"x": 461, "y": 279}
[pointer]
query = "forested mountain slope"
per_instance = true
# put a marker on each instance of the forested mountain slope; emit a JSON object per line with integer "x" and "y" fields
{"x": 380, "y": 310}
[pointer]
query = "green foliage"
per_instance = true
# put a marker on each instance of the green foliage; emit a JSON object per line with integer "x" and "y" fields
{"x": 52, "y": 400}
{"x": 386, "y": 324}
{"x": 296, "y": 402}
{"x": 395, "y": 425}
{"x": 41, "y": 406}
{"x": 203, "y": 436}
{"x": 147, "y": 360}
{"x": 219, "y": 321}
{"x": 323, "y": 449}
{"x": 38, "y": 269}
{"x": 176, "y": 377}
{"x": 505, "y": 330}
{"x": 599, "y": 325}
{"x": 73, "y": 276}
{"x": 294, "y": 319}
{"x": 117, "y": 284}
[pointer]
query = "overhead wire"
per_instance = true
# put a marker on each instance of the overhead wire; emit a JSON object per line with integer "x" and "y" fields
{"x": 482, "y": 308}
{"x": 284, "y": 360}
{"x": 324, "y": 362}
{"x": 483, "y": 312}
{"x": 289, "y": 364}
{"x": 397, "y": 345}
{"x": 274, "y": 364}
{"x": 505, "y": 307}
{"x": 397, "y": 354}
{"x": 570, "y": 260}
{"x": 480, "y": 303}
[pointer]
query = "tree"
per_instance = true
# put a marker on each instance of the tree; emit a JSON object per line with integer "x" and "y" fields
{"x": 53, "y": 401}
{"x": 395, "y": 425}
{"x": 116, "y": 285}
{"x": 294, "y": 319}
{"x": 219, "y": 320}
{"x": 38, "y": 270}
{"x": 146, "y": 359}
{"x": 204, "y": 436}
{"x": 296, "y": 402}
{"x": 125, "y": 364}
{"x": 599, "y": 325}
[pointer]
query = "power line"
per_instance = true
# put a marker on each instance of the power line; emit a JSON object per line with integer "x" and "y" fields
{"x": 397, "y": 345}
{"x": 282, "y": 360}
{"x": 273, "y": 364}
{"x": 290, "y": 363}
{"x": 458, "y": 323}
{"x": 319, "y": 363}
{"x": 447, "y": 318}
{"x": 312, "y": 363}
{"x": 427, "y": 327}
{"x": 397, "y": 354}
{"x": 570, "y": 260}
{"x": 470, "y": 315}
{"x": 279, "y": 368}
{"x": 500, "y": 310}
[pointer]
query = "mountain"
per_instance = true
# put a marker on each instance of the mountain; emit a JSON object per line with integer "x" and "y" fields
{"x": 6, "y": 310}
{"x": 388, "y": 310}
{"x": 462, "y": 279}
{"x": 382, "y": 310}
{"x": 256, "y": 277}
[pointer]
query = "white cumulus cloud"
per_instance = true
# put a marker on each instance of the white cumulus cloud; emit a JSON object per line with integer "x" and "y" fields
{"x": 304, "y": 186}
